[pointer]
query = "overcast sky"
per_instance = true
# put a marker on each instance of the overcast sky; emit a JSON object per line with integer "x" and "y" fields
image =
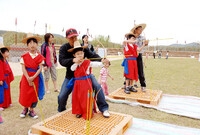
{"x": 174, "y": 19}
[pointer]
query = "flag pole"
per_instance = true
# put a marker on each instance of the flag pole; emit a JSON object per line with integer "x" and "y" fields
{"x": 63, "y": 33}
{"x": 45, "y": 28}
{"x": 16, "y": 31}
{"x": 34, "y": 26}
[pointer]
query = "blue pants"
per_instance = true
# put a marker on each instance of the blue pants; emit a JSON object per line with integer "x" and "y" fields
{"x": 65, "y": 92}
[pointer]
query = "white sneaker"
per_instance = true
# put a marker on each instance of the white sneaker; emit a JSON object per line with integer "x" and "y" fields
{"x": 106, "y": 114}
{"x": 24, "y": 112}
{"x": 32, "y": 114}
{"x": 143, "y": 89}
{"x": 22, "y": 115}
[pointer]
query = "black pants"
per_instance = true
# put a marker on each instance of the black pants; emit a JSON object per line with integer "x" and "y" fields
{"x": 140, "y": 70}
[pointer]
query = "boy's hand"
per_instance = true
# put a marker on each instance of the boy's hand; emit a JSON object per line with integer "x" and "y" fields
{"x": 77, "y": 60}
{"x": 30, "y": 79}
{"x": 30, "y": 83}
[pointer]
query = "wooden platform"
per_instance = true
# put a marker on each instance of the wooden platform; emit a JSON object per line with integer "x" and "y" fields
{"x": 149, "y": 97}
{"x": 66, "y": 123}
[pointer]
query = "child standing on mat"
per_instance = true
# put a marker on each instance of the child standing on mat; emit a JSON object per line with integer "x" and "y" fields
{"x": 32, "y": 83}
{"x": 104, "y": 73}
{"x": 83, "y": 104}
{"x": 130, "y": 62}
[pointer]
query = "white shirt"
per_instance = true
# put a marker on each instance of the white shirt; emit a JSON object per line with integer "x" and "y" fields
{"x": 92, "y": 64}
{"x": 32, "y": 56}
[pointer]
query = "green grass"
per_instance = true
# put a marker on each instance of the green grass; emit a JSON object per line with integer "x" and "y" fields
{"x": 177, "y": 76}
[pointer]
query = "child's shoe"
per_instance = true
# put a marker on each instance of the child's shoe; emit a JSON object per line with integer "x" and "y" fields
{"x": 135, "y": 85}
{"x": 1, "y": 120}
{"x": 78, "y": 115}
{"x": 127, "y": 90}
{"x": 143, "y": 89}
{"x": 32, "y": 114}
{"x": 106, "y": 114}
{"x": 24, "y": 112}
{"x": 132, "y": 89}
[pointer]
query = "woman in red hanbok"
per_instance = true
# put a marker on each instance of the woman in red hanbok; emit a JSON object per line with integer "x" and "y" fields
{"x": 32, "y": 83}
{"x": 6, "y": 75}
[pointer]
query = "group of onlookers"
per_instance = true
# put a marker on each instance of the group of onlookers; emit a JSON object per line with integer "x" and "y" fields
{"x": 78, "y": 60}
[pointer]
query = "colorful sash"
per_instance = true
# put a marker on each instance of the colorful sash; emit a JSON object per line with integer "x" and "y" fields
{"x": 41, "y": 88}
{"x": 125, "y": 63}
{"x": 2, "y": 88}
{"x": 72, "y": 80}
{"x": 6, "y": 85}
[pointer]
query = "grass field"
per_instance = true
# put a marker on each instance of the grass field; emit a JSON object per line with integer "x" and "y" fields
{"x": 178, "y": 76}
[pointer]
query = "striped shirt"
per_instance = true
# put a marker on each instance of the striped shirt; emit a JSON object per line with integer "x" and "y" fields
{"x": 104, "y": 73}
